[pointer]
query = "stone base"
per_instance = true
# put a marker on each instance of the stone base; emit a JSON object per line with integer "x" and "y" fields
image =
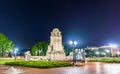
{"x": 56, "y": 57}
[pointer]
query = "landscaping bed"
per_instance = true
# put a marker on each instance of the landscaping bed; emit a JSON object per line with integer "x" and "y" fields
{"x": 39, "y": 64}
{"x": 108, "y": 60}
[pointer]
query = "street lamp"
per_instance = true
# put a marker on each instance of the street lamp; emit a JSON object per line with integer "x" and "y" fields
{"x": 11, "y": 53}
{"x": 112, "y": 47}
{"x": 15, "y": 52}
{"x": 73, "y": 43}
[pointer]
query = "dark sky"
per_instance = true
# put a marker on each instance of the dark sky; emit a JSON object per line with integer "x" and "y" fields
{"x": 90, "y": 22}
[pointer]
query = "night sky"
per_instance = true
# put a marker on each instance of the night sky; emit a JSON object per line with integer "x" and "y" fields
{"x": 90, "y": 22}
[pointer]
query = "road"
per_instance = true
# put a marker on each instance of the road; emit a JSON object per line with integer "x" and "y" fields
{"x": 89, "y": 68}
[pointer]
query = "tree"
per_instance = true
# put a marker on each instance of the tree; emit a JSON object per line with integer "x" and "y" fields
{"x": 67, "y": 49}
{"x": 40, "y": 48}
{"x": 5, "y": 45}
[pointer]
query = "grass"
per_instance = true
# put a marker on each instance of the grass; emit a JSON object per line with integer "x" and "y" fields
{"x": 33, "y": 64}
{"x": 39, "y": 64}
{"x": 108, "y": 60}
{"x": 4, "y": 60}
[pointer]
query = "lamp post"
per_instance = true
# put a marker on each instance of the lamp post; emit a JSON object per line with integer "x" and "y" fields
{"x": 113, "y": 46}
{"x": 15, "y": 52}
{"x": 73, "y": 44}
{"x": 11, "y": 53}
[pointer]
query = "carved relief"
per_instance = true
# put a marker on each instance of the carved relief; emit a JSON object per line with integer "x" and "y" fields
{"x": 56, "y": 40}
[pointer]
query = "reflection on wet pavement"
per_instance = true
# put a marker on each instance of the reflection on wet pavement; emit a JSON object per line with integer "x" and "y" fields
{"x": 89, "y": 68}
{"x": 13, "y": 70}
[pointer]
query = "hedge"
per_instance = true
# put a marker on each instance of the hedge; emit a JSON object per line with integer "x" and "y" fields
{"x": 108, "y": 60}
{"x": 39, "y": 64}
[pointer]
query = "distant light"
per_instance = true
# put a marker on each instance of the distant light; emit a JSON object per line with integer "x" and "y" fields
{"x": 70, "y": 42}
{"x": 75, "y": 42}
{"x": 113, "y": 45}
{"x": 107, "y": 51}
{"x": 15, "y": 52}
{"x": 16, "y": 49}
{"x": 118, "y": 52}
{"x": 97, "y": 52}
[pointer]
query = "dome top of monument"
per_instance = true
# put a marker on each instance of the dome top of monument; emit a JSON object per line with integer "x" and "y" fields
{"x": 56, "y": 32}
{"x": 56, "y": 29}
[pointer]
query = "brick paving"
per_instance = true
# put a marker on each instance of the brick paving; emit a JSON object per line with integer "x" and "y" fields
{"x": 89, "y": 68}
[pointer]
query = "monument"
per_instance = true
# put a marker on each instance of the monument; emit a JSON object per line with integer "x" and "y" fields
{"x": 55, "y": 50}
{"x": 27, "y": 55}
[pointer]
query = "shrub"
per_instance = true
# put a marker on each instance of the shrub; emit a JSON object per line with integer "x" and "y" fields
{"x": 39, "y": 64}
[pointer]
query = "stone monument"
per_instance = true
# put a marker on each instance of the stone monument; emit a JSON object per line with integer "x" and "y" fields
{"x": 27, "y": 55}
{"x": 55, "y": 50}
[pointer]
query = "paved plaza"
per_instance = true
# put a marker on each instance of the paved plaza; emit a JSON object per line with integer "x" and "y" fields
{"x": 89, "y": 68}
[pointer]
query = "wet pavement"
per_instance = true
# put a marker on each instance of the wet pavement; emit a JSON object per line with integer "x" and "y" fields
{"x": 89, "y": 68}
